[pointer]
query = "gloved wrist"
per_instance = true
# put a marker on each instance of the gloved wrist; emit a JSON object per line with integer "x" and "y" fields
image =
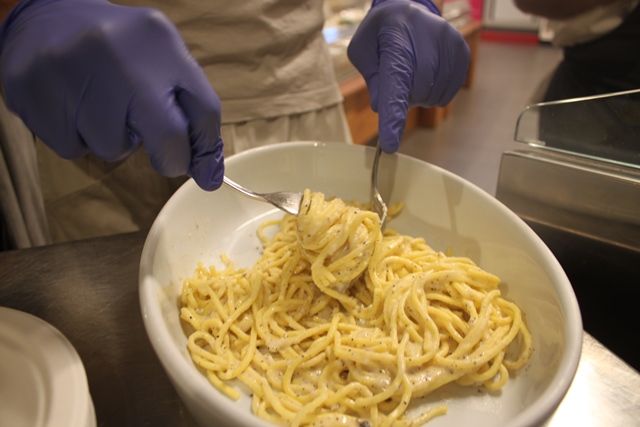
{"x": 429, "y": 4}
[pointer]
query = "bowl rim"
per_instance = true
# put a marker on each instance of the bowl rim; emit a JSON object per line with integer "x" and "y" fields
{"x": 53, "y": 374}
{"x": 198, "y": 387}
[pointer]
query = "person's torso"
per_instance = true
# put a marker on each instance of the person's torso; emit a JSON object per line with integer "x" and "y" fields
{"x": 264, "y": 58}
{"x": 611, "y": 62}
{"x": 621, "y": 44}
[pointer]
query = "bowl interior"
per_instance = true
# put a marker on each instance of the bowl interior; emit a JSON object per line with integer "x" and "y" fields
{"x": 449, "y": 212}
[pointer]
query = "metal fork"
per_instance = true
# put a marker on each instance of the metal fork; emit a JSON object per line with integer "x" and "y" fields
{"x": 377, "y": 203}
{"x": 287, "y": 201}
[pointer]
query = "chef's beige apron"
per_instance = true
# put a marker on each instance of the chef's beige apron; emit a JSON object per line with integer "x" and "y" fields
{"x": 88, "y": 197}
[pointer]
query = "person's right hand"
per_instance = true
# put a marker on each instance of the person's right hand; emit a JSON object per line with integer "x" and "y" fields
{"x": 409, "y": 56}
{"x": 91, "y": 76}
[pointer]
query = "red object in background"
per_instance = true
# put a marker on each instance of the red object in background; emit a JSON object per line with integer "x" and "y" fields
{"x": 476, "y": 7}
{"x": 522, "y": 37}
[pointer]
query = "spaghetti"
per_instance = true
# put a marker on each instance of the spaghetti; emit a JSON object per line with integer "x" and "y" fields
{"x": 337, "y": 324}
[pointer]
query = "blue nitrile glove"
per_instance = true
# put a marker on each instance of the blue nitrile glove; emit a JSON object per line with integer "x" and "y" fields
{"x": 91, "y": 76}
{"x": 409, "y": 56}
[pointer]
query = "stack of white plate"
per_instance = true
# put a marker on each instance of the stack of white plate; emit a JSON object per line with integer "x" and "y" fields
{"x": 42, "y": 380}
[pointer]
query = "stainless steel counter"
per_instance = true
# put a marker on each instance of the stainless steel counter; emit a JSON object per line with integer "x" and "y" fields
{"x": 89, "y": 291}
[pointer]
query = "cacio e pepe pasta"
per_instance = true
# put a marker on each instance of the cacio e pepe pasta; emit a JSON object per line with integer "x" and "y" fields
{"x": 340, "y": 324}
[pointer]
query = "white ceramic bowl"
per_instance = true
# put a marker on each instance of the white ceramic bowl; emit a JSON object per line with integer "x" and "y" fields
{"x": 449, "y": 212}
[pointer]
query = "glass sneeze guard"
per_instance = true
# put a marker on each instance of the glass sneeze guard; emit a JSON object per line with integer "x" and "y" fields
{"x": 603, "y": 127}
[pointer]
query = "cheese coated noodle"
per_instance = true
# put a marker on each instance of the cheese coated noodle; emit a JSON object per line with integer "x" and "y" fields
{"x": 337, "y": 324}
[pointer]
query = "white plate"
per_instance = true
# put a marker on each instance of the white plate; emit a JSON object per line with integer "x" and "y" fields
{"x": 42, "y": 379}
{"x": 449, "y": 212}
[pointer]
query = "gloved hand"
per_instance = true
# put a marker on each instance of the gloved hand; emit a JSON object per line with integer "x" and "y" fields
{"x": 409, "y": 56}
{"x": 90, "y": 76}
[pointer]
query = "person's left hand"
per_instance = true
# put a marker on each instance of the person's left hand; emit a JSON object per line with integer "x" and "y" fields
{"x": 409, "y": 56}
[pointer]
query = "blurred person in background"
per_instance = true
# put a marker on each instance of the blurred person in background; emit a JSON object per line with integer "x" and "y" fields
{"x": 600, "y": 41}
{"x": 601, "y": 55}
{"x": 126, "y": 101}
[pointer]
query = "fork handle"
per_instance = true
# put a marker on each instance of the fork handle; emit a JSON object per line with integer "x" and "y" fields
{"x": 242, "y": 190}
